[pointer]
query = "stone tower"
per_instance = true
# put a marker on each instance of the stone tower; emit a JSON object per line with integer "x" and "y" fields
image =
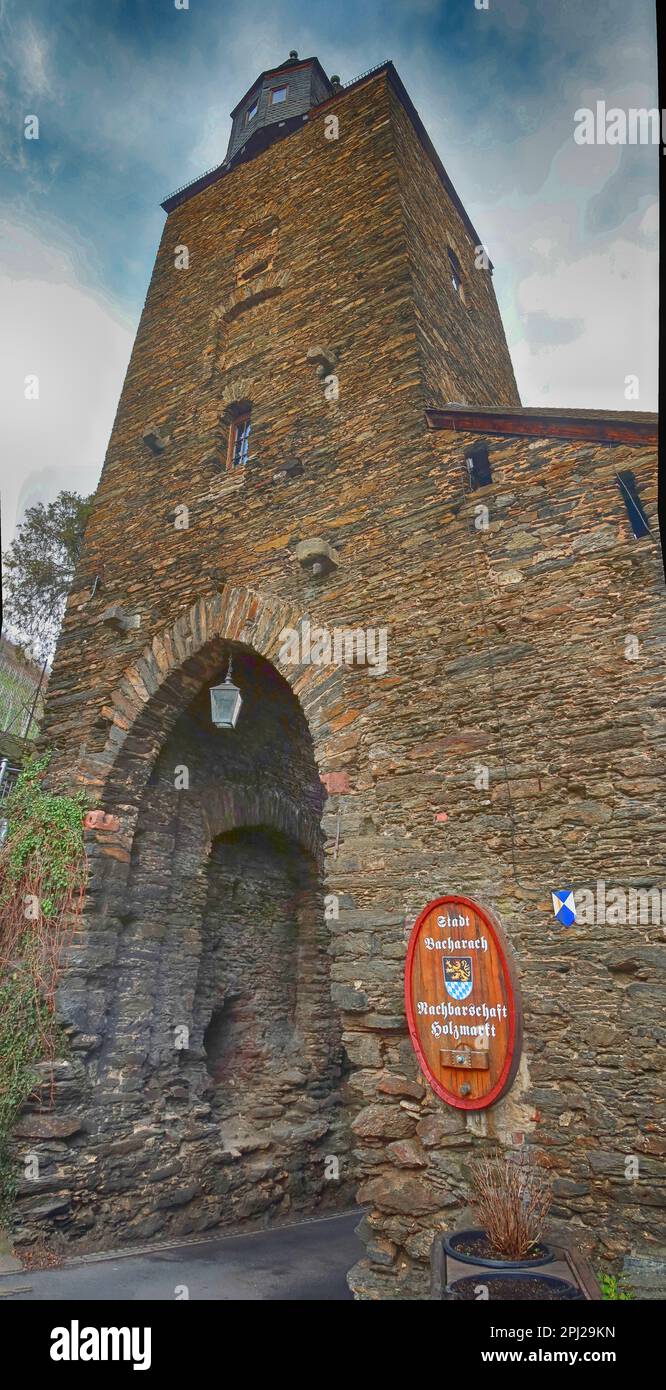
{"x": 235, "y": 996}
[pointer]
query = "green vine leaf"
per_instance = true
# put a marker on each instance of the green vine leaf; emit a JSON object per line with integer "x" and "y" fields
{"x": 43, "y": 874}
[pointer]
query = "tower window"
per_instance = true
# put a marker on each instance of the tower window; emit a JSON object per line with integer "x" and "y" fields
{"x": 239, "y": 442}
{"x": 456, "y": 272}
{"x": 278, "y": 94}
{"x": 251, "y": 111}
{"x": 635, "y": 509}
{"x": 478, "y": 467}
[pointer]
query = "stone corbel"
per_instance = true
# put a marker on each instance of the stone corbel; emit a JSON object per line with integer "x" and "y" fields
{"x": 324, "y": 359}
{"x": 119, "y": 619}
{"x": 316, "y": 556}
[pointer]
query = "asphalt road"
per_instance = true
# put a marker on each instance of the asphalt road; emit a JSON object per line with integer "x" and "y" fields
{"x": 307, "y": 1261}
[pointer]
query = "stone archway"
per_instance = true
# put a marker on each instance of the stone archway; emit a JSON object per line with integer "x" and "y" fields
{"x": 236, "y": 322}
{"x": 154, "y": 1148}
{"x": 142, "y": 707}
{"x": 154, "y": 687}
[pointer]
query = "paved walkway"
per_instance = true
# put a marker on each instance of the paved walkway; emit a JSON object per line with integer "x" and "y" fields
{"x": 304, "y": 1261}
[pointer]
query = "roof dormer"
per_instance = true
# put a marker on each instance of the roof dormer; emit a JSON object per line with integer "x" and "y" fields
{"x": 276, "y": 104}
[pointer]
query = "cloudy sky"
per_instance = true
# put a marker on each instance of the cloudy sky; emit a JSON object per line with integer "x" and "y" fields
{"x": 133, "y": 99}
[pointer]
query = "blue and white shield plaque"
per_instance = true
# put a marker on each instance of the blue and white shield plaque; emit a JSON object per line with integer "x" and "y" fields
{"x": 458, "y": 976}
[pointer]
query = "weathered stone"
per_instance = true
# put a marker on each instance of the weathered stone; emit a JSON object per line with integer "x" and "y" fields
{"x": 335, "y": 782}
{"x": 407, "y": 1154}
{"x": 401, "y": 1193}
{"x": 399, "y": 1086}
{"x": 368, "y": 1282}
{"x": 432, "y": 1128}
{"x": 99, "y": 820}
{"x": 381, "y": 1251}
{"x": 179, "y": 1197}
{"x": 348, "y": 999}
{"x": 305, "y": 1133}
{"x": 419, "y": 1245}
{"x": 119, "y": 619}
{"x": 85, "y": 1042}
{"x": 316, "y": 555}
{"x": 382, "y": 1122}
{"x": 363, "y": 1049}
{"x": 646, "y": 1275}
{"x": 47, "y": 1126}
{"x": 37, "y": 1210}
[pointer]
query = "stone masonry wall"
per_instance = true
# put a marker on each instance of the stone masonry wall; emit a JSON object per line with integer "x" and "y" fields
{"x": 506, "y": 648}
{"x": 549, "y": 592}
{"x": 206, "y": 1081}
{"x": 342, "y": 276}
{"x": 463, "y": 351}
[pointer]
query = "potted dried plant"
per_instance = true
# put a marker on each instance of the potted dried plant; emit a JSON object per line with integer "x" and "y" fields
{"x": 512, "y": 1197}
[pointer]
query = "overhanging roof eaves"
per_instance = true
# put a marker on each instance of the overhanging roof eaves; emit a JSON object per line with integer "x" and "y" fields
{"x": 600, "y": 426}
{"x": 255, "y": 144}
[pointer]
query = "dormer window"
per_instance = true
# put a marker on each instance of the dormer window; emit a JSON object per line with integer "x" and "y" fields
{"x": 277, "y": 95}
{"x": 251, "y": 111}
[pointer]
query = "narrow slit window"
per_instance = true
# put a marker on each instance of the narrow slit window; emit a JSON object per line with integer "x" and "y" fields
{"x": 635, "y": 509}
{"x": 456, "y": 272}
{"x": 251, "y": 111}
{"x": 239, "y": 442}
{"x": 477, "y": 463}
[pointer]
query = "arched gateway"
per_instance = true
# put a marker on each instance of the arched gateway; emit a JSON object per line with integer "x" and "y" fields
{"x": 209, "y": 1087}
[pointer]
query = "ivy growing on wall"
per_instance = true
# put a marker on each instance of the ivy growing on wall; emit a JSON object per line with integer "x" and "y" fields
{"x": 42, "y": 882}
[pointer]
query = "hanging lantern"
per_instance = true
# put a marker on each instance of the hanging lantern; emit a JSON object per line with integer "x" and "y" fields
{"x": 225, "y": 702}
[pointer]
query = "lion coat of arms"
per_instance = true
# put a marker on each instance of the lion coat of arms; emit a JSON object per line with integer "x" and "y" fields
{"x": 458, "y": 976}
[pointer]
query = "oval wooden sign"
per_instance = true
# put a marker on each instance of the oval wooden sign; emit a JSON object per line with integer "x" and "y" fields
{"x": 463, "y": 1003}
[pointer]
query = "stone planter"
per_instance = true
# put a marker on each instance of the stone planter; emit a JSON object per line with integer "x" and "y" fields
{"x": 567, "y": 1265}
{"x": 454, "y": 1242}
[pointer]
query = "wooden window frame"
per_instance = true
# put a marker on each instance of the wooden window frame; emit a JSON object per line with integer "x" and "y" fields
{"x": 254, "y": 109}
{"x": 283, "y": 87}
{"x": 238, "y": 422}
